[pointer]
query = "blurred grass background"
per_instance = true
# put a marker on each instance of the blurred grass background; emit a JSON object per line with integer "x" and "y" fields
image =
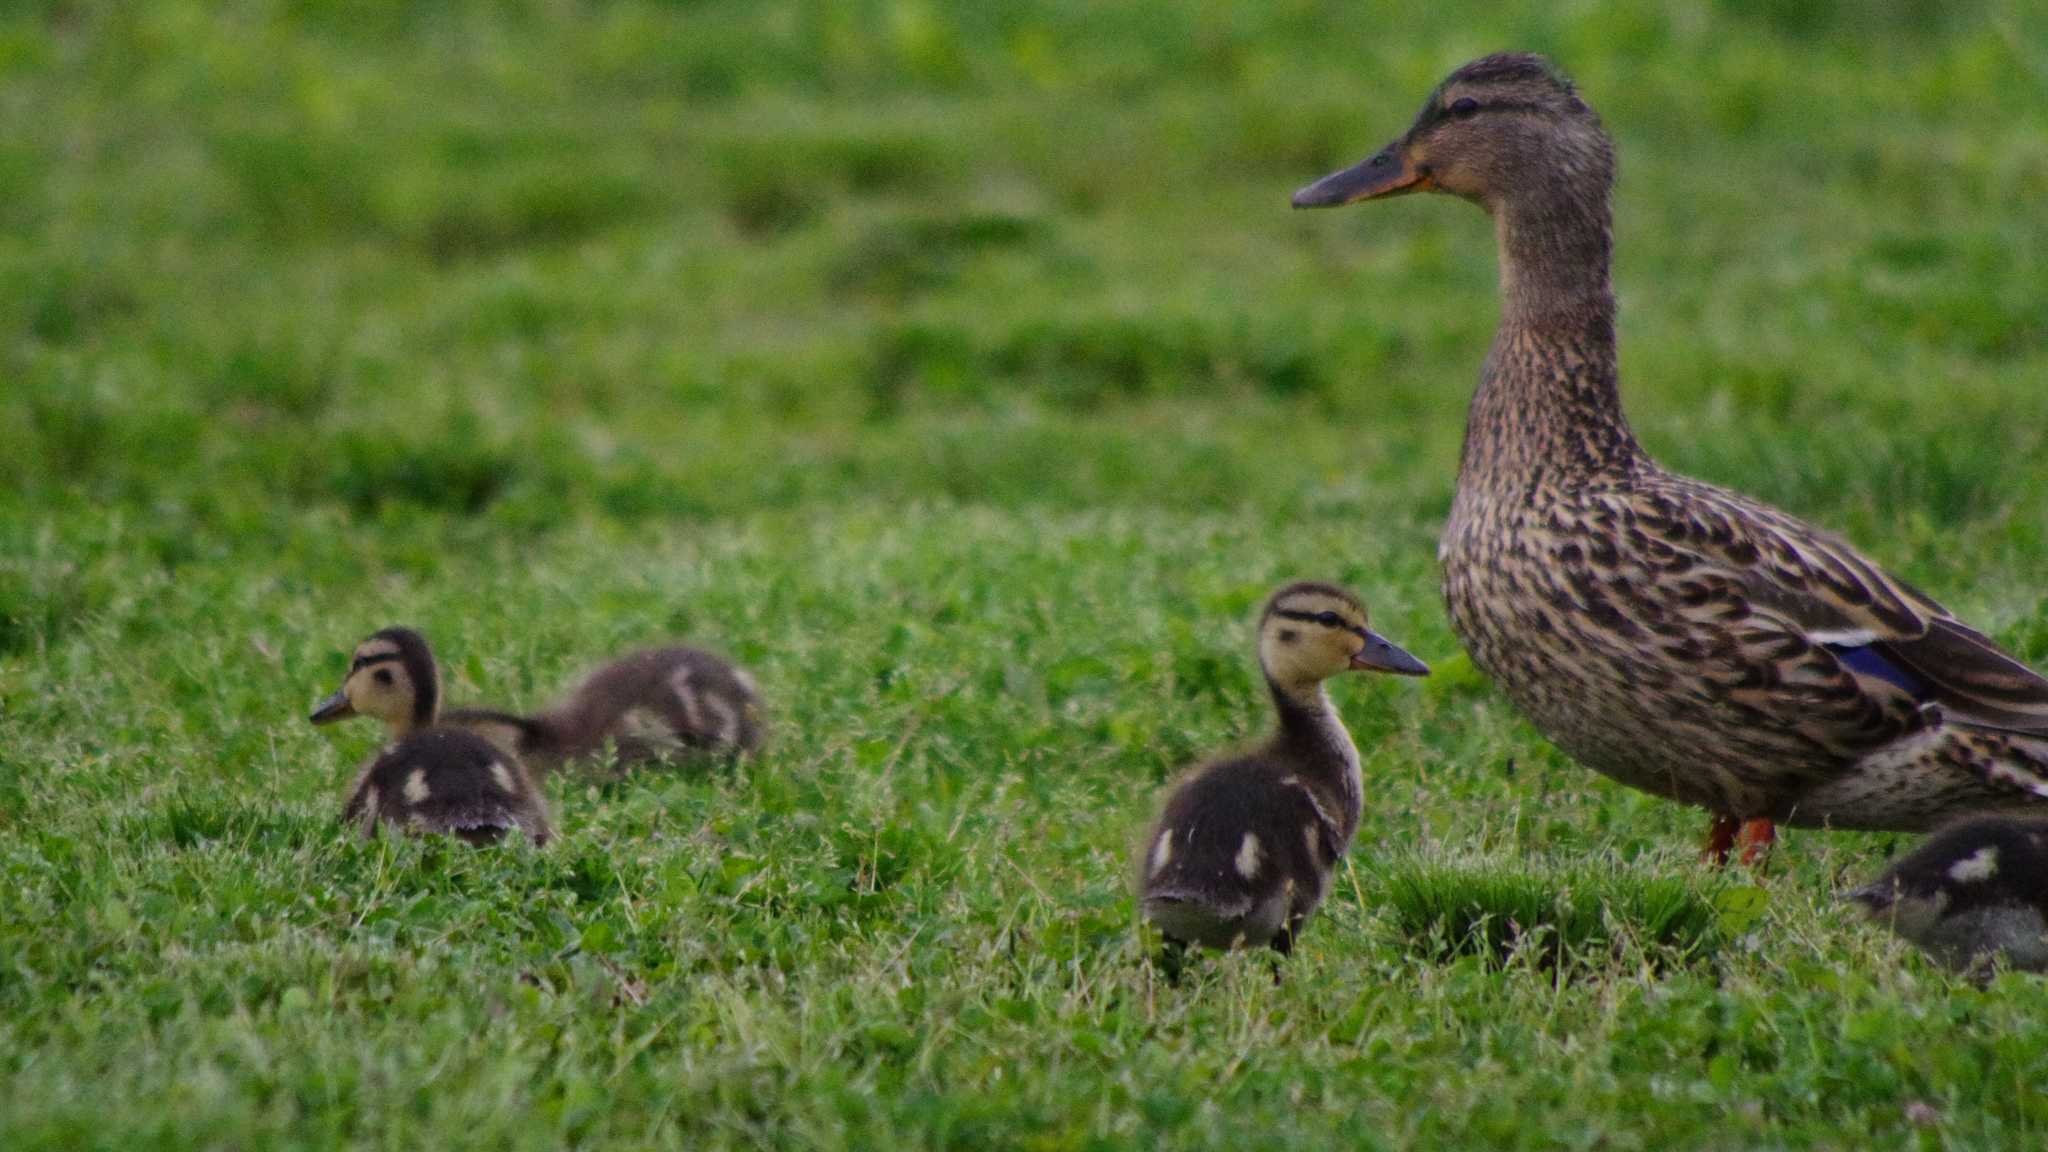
{"x": 963, "y": 370}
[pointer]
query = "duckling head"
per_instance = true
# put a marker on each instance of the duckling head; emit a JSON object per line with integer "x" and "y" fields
{"x": 1312, "y": 631}
{"x": 1912, "y": 906}
{"x": 392, "y": 677}
{"x": 1973, "y": 887}
{"x": 1501, "y": 127}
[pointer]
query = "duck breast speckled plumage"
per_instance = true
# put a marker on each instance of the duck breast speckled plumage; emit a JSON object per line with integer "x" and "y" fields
{"x": 1678, "y": 637}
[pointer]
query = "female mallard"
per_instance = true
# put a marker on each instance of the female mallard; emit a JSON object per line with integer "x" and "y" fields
{"x": 1244, "y": 847}
{"x": 1682, "y": 639}
{"x": 431, "y": 777}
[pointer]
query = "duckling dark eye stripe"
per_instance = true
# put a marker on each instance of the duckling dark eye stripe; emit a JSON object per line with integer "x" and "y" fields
{"x": 1304, "y": 617}
{"x": 363, "y": 662}
{"x": 1443, "y": 111}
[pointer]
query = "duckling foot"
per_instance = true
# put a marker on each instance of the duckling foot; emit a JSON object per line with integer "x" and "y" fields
{"x": 1282, "y": 945}
{"x": 1173, "y": 956}
{"x": 1756, "y": 838}
{"x": 1721, "y": 833}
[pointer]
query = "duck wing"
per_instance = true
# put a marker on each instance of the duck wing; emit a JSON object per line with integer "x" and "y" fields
{"x": 1973, "y": 680}
{"x": 1879, "y": 628}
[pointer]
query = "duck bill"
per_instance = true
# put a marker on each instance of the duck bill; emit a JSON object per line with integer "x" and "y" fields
{"x": 335, "y": 707}
{"x": 1872, "y": 898}
{"x": 1385, "y": 173}
{"x": 1383, "y": 655}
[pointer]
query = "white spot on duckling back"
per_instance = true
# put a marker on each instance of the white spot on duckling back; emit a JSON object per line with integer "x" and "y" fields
{"x": 503, "y": 776}
{"x": 725, "y": 724}
{"x": 1979, "y": 865}
{"x": 746, "y": 682}
{"x": 1162, "y": 852}
{"x": 687, "y": 696}
{"x": 1248, "y": 856}
{"x": 1313, "y": 837}
{"x": 370, "y": 808}
{"x": 416, "y": 790}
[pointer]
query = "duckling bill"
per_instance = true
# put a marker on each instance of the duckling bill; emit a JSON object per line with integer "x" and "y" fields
{"x": 431, "y": 777}
{"x": 1244, "y": 847}
{"x": 1975, "y": 893}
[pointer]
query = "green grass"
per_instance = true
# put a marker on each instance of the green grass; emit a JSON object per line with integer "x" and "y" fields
{"x": 1569, "y": 916}
{"x": 963, "y": 372}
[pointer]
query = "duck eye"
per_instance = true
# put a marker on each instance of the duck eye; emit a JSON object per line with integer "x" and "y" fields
{"x": 383, "y": 675}
{"x": 1464, "y": 106}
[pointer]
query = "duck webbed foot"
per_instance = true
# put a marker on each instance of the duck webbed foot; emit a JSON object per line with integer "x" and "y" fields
{"x": 1756, "y": 838}
{"x": 1721, "y": 833}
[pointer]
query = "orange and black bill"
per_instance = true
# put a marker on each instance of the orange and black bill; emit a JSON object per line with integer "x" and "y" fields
{"x": 1384, "y": 173}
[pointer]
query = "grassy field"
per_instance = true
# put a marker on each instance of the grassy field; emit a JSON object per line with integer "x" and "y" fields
{"x": 963, "y": 372}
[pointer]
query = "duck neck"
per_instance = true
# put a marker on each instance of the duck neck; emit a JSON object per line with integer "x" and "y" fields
{"x": 1550, "y": 395}
{"x": 1312, "y": 735}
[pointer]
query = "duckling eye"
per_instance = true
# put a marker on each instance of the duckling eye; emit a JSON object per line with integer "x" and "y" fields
{"x": 383, "y": 675}
{"x": 1464, "y": 106}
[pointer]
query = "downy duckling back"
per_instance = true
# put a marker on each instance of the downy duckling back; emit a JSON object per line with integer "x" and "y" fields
{"x": 1244, "y": 847}
{"x": 661, "y": 702}
{"x": 1974, "y": 893}
{"x": 431, "y": 777}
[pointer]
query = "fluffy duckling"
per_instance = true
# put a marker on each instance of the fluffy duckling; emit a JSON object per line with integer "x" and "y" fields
{"x": 1244, "y": 847}
{"x": 657, "y": 703}
{"x": 1975, "y": 892}
{"x": 431, "y": 777}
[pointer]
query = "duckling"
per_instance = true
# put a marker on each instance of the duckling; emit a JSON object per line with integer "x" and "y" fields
{"x": 647, "y": 705}
{"x": 1244, "y": 847}
{"x": 431, "y": 777}
{"x": 1677, "y": 637}
{"x": 1975, "y": 892}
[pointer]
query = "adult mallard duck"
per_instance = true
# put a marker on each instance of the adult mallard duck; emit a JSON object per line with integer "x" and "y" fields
{"x": 1678, "y": 637}
{"x": 1244, "y": 846}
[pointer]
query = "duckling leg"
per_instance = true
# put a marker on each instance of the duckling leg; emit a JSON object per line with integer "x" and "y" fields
{"x": 1756, "y": 838}
{"x": 1721, "y": 833}
{"x": 1173, "y": 955}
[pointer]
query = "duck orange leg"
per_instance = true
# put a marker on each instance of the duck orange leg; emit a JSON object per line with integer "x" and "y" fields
{"x": 1721, "y": 833}
{"x": 1756, "y": 838}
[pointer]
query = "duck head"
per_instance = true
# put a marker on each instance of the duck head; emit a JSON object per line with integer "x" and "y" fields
{"x": 1499, "y": 128}
{"x": 1311, "y": 631}
{"x": 392, "y": 677}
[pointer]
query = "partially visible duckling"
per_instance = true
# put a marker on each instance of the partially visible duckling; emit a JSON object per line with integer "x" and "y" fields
{"x": 647, "y": 705}
{"x": 1975, "y": 892}
{"x": 1244, "y": 847}
{"x": 431, "y": 777}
